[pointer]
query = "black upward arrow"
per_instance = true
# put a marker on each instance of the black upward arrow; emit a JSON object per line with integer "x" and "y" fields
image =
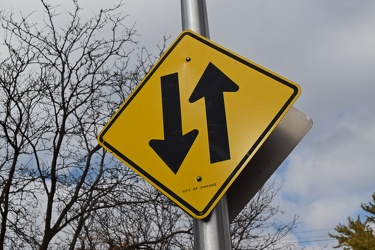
{"x": 212, "y": 86}
{"x": 175, "y": 146}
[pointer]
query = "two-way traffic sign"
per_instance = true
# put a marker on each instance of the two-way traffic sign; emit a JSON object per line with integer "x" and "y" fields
{"x": 196, "y": 120}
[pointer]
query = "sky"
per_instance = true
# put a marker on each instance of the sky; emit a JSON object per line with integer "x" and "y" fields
{"x": 328, "y": 48}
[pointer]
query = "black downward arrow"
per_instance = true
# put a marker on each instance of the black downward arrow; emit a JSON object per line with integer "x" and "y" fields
{"x": 212, "y": 86}
{"x": 175, "y": 146}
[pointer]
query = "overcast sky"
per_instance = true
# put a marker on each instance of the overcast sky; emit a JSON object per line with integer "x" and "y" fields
{"x": 328, "y": 47}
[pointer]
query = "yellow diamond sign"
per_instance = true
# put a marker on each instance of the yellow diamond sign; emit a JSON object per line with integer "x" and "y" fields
{"x": 196, "y": 120}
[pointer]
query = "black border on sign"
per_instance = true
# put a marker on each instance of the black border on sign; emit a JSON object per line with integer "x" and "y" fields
{"x": 186, "y": 205}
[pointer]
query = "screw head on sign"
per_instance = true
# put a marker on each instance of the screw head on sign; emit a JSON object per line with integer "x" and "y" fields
{"x": 199, "y": 178}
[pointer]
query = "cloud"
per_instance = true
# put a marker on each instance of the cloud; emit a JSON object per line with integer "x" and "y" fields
{"x": 326, "y": 181}
{"x": 326, "y": 47}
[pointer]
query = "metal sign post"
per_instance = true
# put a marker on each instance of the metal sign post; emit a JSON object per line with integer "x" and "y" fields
{"x": 213, "y": 232}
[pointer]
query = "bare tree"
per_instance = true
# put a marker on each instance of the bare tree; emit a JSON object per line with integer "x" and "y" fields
{"x": 17, "y": 121}
{"x": 161, "y": 225}
{"x": 143, "y": 225}
{"x": 258, "y": 226}
{"x": 59, "y": 85}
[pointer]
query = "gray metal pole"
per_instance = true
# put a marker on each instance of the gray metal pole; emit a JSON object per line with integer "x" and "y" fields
{"x": 213, "y": 232}
{"x": 194, "y": 16}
